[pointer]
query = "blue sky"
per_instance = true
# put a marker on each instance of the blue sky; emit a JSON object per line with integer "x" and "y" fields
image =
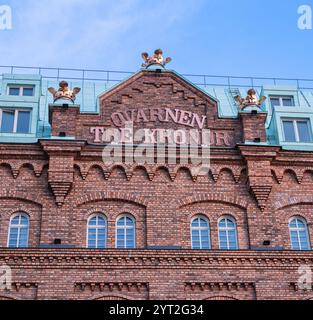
{"x": 223, "y": 37}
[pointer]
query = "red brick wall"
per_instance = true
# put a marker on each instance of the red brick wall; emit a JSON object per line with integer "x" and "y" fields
{"x": 59, "y": 184}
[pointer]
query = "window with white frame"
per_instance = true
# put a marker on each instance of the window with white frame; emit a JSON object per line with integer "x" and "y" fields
{"x": 97, "y": 231}
{"x": 227, "y": 233}
{"x": 18, "y": 231}
{"x": 14, "y": 120}
{"x": 297, "y": 130}
{"x": 21, "y": 91}
{"x": 200, "y": 233}
{"x": 125, "y": 232}
{"x": 282, "y": 101}
{"x": 299, "y": 235}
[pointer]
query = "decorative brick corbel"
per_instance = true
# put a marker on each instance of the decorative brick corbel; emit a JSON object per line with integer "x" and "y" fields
{"x": 260, "y": 181}
{"x": 61, "y": 166}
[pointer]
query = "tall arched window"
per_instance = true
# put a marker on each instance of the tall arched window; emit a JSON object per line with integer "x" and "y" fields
{"x": 97, "y": 231}
{"x": 227, "y": 233}
{"x": 200, "y": 233}
{"x": 299, "y": 235}
{"x": 125, "y": 232}
{"x": 18, "y": 231}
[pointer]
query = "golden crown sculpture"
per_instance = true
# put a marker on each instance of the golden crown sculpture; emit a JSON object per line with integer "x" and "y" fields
{"x": 157, "y": 58}
{"x": 64, "y": 92}
{"x": 250, "y": 100}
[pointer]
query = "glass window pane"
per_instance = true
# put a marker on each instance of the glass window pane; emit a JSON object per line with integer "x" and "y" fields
{"x": 222, "y": 223}
{"x": 91, "y": 244}
{"x": 275, "y": 102}
{"x": 289, "y": 131}
{"x": 121, "y": 222}
{"x": 28, "y": 92}
{"x": 203, "y": 223}
{"x": 24, "y": 220}
{"x": 288, "y": 102}
{"x": 129, "y": 222}
{"x": 14, "y": 91}
{"x": 101, "y": 221}
{"x": 93, "y": 221}
{"x": 23, "y": 122}
{"x": 304, "y": 131}
{"x": 7, "y": 123}
{"x": 15, "y": 220}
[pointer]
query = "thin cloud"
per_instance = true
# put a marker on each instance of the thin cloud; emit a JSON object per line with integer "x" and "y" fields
{"x": 79, "y": 33}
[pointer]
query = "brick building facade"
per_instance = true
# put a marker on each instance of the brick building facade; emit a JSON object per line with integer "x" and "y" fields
{"x": 60, "y": 182}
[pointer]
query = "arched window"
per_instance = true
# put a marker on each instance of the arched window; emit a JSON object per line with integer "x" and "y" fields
{"x": 200, "y": 233}
{"x": 125, "y": 232}
{"x": 97, "y": 231}
{"x": 299, "y": 234}
{"x": 18, "y": 231}
{"x": 227, "y": 233}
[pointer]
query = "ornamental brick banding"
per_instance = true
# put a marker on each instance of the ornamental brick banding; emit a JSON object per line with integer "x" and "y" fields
{"x": 59, "y": 183}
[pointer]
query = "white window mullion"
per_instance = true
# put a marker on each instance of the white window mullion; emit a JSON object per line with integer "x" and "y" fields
{"x": 0, "y": 119}
{"x": 15, "y": 121}
{"x": 124, "y": 233}
{"x": 295, "y": 126}
{"x": 199, "y": 233}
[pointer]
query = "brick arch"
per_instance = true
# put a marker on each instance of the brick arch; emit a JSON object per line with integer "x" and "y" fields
{"x": 182, "y": 168}
{"x": 16, "y": 167}
{"x": 117, "y": 167}
{"x": 309, "y": 171}
{"x": 7, "y": 165}
{"x": 292, "y": 201}
{"x": 110, "y": 297}
{"x": 275, "y": 177}
{"x": 162, "y": 168}
{"x": 227, "y": 170}
{"x": 18, "y": 195}
{"x": 141, "y": 167}
{"x": 8, "y": 297}
{"x": 221, "y": 298}
{"x": 212, "y": 198}
{"x": 291, "y": 173}
{"x": 94, "y": 167}
{"x": 99, "y": 196}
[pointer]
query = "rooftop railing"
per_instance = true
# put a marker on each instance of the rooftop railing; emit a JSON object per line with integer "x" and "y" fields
{"x": 107, "y": 76}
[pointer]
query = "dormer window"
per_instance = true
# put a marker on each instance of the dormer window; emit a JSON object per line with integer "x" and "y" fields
{"x": 14, "y": 121}
{"x": 21, "y": 91}
{"x": 282, "y": 101}
{"x": 297, "y": 130}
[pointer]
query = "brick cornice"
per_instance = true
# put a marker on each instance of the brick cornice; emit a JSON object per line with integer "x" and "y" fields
{"x": 152, "y": 259}
{"x": 62, "y": 147}
{"x": 213, "y": 198}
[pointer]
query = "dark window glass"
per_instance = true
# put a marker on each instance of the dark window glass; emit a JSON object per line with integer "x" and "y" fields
{"x": 14, "y": 91}
{"x": 304, "y": 131}
{"x": 275, "y": 102}
{"x": 7, "y": 123}
{"x": 28, "y": 92}
{"x": 23, "y": 122}
{"x": 288, "y": 102}
{"x": 289, "y": 131}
